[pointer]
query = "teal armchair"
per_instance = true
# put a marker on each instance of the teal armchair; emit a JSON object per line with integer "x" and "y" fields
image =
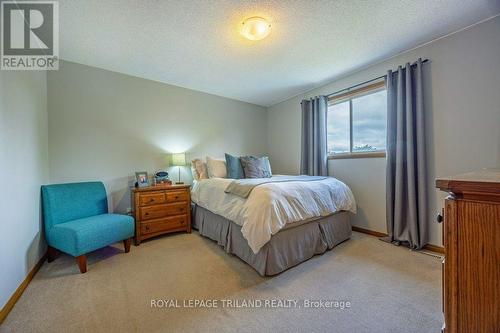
{"x": 77, "y": 222}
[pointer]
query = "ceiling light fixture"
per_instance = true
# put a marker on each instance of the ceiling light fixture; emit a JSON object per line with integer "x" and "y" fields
{"x": 255, "y": 28}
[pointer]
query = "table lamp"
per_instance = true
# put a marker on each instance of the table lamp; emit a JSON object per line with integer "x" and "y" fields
{"x": 179, "y": 160}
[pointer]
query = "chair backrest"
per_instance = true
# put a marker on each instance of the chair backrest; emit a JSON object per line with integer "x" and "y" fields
{"x": 66, "y": 202}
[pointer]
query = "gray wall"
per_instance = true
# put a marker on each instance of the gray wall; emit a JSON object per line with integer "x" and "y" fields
{"x": 462, "y": 93}
{"x": 105, "y": 126}
{"x": 24, "y": 167}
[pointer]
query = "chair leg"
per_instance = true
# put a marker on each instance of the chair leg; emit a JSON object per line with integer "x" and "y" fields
{"x": 82, "y": 263}
{"x": 126, "y": 244}
{"x": 51, "y": 254}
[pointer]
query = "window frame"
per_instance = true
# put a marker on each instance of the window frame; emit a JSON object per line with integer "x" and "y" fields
{"x": 348, "y": 96}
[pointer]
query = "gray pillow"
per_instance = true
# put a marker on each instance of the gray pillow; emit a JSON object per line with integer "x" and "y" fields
{"x": 256, "y": 167}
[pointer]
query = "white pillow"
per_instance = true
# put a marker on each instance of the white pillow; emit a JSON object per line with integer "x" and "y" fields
{"x": 199, "y": 169}
{"x": 216, "y": 168}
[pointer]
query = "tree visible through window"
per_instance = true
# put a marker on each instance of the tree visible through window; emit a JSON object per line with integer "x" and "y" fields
{"x": 357, "y": 122}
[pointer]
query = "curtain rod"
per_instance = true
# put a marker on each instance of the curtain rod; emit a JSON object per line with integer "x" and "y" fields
{"x": 363, "y": 83}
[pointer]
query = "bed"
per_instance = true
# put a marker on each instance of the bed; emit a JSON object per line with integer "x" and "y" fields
{"x": 275, "y": 223}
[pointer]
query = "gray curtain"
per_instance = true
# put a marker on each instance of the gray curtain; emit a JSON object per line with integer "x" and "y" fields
{"x": 406, "y": 165}
{"x": 314, "y": 160}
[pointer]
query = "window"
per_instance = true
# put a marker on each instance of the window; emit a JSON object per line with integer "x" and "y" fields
{"x": 357, "y": 122}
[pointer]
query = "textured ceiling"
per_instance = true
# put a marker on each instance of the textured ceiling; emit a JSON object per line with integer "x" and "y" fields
{"x": 196, "y": 44}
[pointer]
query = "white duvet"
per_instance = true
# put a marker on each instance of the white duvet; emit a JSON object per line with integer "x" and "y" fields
{"x": 271, "y": 206}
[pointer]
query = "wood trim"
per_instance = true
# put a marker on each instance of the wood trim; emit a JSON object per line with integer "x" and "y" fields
{"x": 355, "y": 92}
{"x": 429, "y": 247}
{"x": 434, "y": 248}
{"x": 369, "y": 232}
{"x": 375, "y": 154}
{"x": 19, "y": 291}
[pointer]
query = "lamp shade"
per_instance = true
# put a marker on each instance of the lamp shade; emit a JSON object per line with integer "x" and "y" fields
{"x": 179, "y": 159}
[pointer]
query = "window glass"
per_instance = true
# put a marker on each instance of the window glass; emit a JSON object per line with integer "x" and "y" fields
{"x": 338, "y": 128}
{"x": 369, "y": 117}
{"x": 365, "y": 115}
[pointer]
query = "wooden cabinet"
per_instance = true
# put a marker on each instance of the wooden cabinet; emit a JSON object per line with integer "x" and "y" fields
{"x": 471, "y": 269}
{"x": 161, "y": 209}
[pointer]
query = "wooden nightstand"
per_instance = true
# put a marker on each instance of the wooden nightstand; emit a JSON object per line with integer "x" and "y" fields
{"x": 161, "y": 209}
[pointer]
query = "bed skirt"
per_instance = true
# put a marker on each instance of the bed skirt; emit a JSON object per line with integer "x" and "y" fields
{"x": 289, "y": 247}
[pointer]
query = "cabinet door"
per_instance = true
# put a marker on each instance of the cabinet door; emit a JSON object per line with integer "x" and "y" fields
{"x": 450, "y": 266}
{"x": 478, "y": 266}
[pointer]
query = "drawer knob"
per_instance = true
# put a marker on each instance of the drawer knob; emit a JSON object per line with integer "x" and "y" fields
{"x": 176, "y": 197}
{"x": 146, "y": 214}
{"x": 151, "y": 200}
{"x": 147, "y": 227}
{"x": 439, "y": 218}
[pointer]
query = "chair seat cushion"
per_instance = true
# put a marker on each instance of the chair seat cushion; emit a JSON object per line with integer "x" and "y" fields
{"x": 84, "y": 235}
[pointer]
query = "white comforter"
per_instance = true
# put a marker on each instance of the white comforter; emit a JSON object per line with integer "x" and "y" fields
{"x": 273, "y": 205}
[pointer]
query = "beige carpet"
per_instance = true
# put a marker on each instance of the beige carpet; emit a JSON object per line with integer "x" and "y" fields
{"x": 390, "y": 289}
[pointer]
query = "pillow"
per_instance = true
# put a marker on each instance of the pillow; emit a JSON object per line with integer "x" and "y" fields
{"x": 216, "y": 168}
{"x": 256, "y": 167}
{"x": 199, "y": 169}
{"x": 233, "y": 167}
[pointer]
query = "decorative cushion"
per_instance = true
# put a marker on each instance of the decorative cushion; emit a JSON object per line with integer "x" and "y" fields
{"x": 256, "y": 167}
{"x": 216, "y": 168}
{"x": 233, "y": 167}
{"x": 199, "y": 169}
{"x": 84, "y": 235}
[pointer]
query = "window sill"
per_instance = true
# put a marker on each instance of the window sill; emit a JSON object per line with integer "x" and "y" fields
{"x": 377, "y": 154}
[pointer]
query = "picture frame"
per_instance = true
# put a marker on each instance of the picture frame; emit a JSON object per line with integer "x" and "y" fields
{"x": 141, "y": 178}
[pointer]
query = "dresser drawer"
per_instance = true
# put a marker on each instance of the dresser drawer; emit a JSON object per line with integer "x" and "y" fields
{"x": 159, "y": 211}
{"x": 152, "y": 198}
{"x": 177, "y": 196}
{"x": 164, "y": 224}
